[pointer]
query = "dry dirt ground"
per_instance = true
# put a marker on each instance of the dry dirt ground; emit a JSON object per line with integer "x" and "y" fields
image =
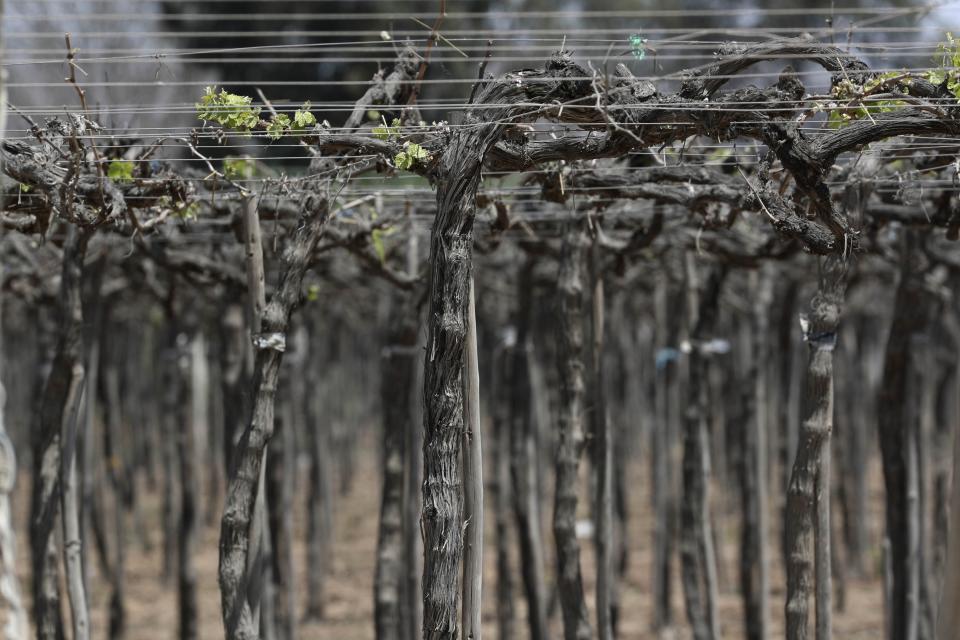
{"x": 151, "y": 603}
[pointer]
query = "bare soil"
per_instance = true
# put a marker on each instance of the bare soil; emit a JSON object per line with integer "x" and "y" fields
{"x": 151, "y": 601}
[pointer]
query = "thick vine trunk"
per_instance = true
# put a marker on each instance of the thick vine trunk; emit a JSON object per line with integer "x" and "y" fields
{"x": 235, "y": 533}
{"x": 398, "y": 357}
{"x": 120, "y": 482}
{"x": 570, "y": 432}
{"x": 413, "y": 553}
{"x": 168, "y": 506}
{"x": 662, "y": 460}
{"x": 754, "y": 561}
{"x": 523, "y": 463}
{"x": 806, "y": 564}
{"x": 895, "y": 430}
{"x": 500, "y": 488}
{"x": 854, "y": 432}
{"x": 602, "y": 454}
{"x": 696, "y": 539}
{"x": 232, "y": 350}
{"x": 451, "y": 253}
{"x": 320, "y": 492}
{"x": 182, "y": 430}
{"x": 70, "y": 508}
{"x": 281, "y": 482}
{"x": 65, "y": 372}
{"x": 948, "y": 619}
{"x": 946, "y": 514}
{"x": 823, "y": 553}
{"x": 14, "y": 620}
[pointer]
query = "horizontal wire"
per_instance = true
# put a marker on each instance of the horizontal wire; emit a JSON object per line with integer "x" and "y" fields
{"x": 478, "y": 36}
{"x": 555, "y": 14}
{"x": 926, "y": 52}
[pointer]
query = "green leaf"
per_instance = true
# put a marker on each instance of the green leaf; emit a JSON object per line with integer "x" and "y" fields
{"x": 229, "y": 110}
{"x": 376, "y": 238}
{"x": 188, "y": 211}
{"x": 120, "y": 170}
{"x": 277, "y": 126}
{"x": 835, "y": 119}
{"x": 386, "y": 132}
{"x": 25, "y": 188}
{"x": 416, "y": 152}
{"x": 403, "y": 161}
{"x": 302, "y": 118}
{"x": 936, "y": 76}
{"x": 238, "y": 168}
{"x": 313, "y": 293}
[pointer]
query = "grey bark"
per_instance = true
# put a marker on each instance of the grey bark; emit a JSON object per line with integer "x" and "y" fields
{"x": 66, "y": 367}
{"x": 232, "y": 350}
{"x": 259, "y": 588}
{"x": 320, "y": 493}
{"x": 500, "y": 490}
{"x": 823, "y": 556}
{"x": 948, "y": 620}
{"x": 413, "y": 552}
{"x": 118, "y": 479}
{"x": 698, "y": 562}
{"x": 895, "y": 430}
{"x": 242, "y": 488}
{"x": 523, "y": 462}
{"x": 803, "y": 560}
{"x": 666, "y": 388}
{"x": 854, "y": 431}
{"x": 570, "y": 432}
{"x": 280, "y": 486}
{"x": 69, "y": 508}
{"x": 603, "y": 454}
{"x": 181, "y": 429}
{"x": 473, "y": 481}
{"x": 398, "y": 357}
{"x": 945, "y": 549}
{"x": 451, "y": 249}
{"x": 14, "y": 625}
{"x": 754, "y": 576}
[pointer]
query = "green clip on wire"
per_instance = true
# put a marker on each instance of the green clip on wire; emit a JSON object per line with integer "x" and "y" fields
{"x": 638, "y": 45}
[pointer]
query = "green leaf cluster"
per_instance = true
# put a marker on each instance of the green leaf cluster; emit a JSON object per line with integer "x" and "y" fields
{"x": 120, "y": 170}
{"x": 229, "y": 110}
{"x": 412, "y": 154}
{"x": 183, "y": 210}
{"x": 188, "y": 211}
{"x": 860, "y": 104}
{"x": 948, "y": 59}
{"x": 282, "y": 123}
{"x": 388, "y": 131}
{"x": 376, "y": 238}
{"x": 238, "y": 168}
{"x": 277, "y": 126}
{"x": 302, "y": 118}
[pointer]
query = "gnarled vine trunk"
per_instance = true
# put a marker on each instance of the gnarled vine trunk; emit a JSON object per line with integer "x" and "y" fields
{"x": 523, "y": 462}
{"x": 696, "y": 539}
{"x": 397, "y": 355}
{"x": 805, "y": 492}
{"x": 896, "y": 433}
{"x": 570, "y": 432}
{"x": 235, "y": 533}
{"x": 65, "y": 372}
